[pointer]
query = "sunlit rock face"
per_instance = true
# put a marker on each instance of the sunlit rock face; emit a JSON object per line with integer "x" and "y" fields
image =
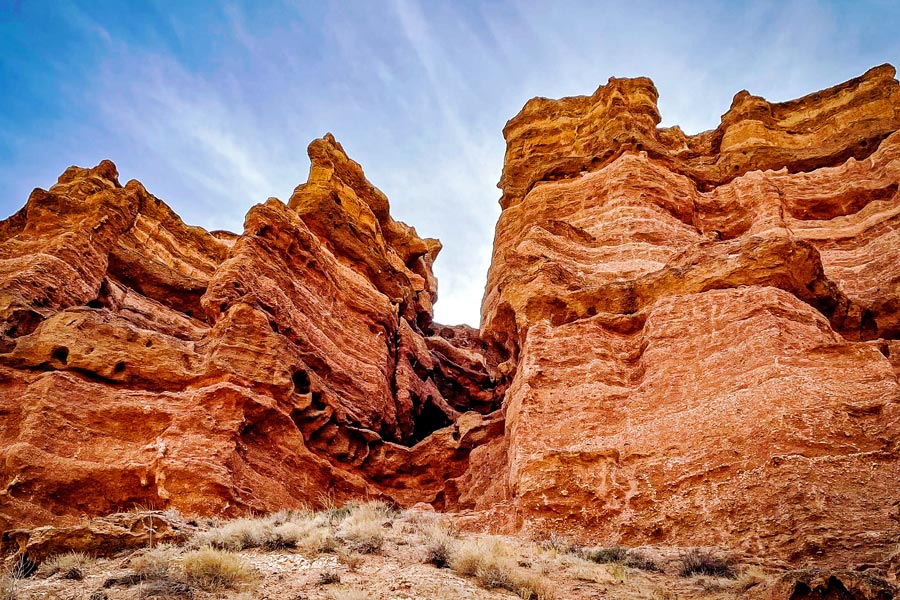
{"x": 685, "y": 340}
{"x": 146, "y": 362}
{"x": 699, "y": 331}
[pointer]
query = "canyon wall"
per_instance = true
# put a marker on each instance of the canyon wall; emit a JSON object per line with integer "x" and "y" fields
{"x": 148, "y": 363}
{"x": 685, "y": 339}
{"x": 699, "y": 332}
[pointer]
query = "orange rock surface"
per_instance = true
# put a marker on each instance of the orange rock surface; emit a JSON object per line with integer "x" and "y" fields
{"x": 685, "y": 340}
{"x": 149, "y": 363}
{"x": 699, "y": 331}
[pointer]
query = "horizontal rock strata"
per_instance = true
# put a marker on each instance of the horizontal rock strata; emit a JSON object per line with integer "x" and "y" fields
{"x": 148, "y": 363}
{"x": 699, "y": 331}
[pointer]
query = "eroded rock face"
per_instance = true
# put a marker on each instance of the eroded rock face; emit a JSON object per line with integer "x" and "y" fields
{"x": 149, "y": 363}
{"x": 685, "y": 340}
{"x": 699, "y": 331}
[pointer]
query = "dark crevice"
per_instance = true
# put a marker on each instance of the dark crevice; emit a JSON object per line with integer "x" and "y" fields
{"x": 301, "y": 382}
{"x": 428, "y": 421}
{"x": 60, "y": 354}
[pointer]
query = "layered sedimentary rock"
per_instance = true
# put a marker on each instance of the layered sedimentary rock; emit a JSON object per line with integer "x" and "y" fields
{"x": 699, "y": 331}
{"x": 148, "y": 363}
{"x": 685, "y": 340}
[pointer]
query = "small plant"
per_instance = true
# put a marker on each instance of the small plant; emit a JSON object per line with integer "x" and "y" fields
{"x": 70, "y": 565}
{"x": 8, "y": 587}
{"x": 363, "y": 529}
{"x": 611, "y": 555}
{"x": 558, "y": 544}
{"x": 211, "y": 570}
{"x": 750, "y": 578}
{"x": 155, "y": 563}
{"x": 329, "y": 576}
{"x": 704, "y": 562}
{"x": 438, "y": 546}
{"x": 636, "y": 560}
{"x": 353, "y": 560}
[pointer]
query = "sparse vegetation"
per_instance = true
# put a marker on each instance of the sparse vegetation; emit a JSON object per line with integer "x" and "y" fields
{"x": 493, "y": 565}
{"x": 329, "y": 576}
{"x": 636, "y": 560}
{"x": 363, "y": 528}
{"x": 328, "y": 554}
{"x": 610, "y": 555}
{"x": 703, "y": 562}
{"x": 438, "y": 546}
{"x": 154, "y": 563}
{"x": 211, "y": 569}
{"x": 8, "y": 589}
{"x": 558, "y": 543}
{"x": 70, "y": 565}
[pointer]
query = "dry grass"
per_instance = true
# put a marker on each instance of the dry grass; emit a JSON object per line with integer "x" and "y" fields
{"x": 71, "y": 565}
{"x": 751, "y": 577}
{"x": 211, "y": 570}
{"x": 439, "y": 544}
{"x": 363, "y": 528}
{"x": 704, "y": 562}
{"x": 155, "y": 563}
{"x": 558, "y": 544}
{"x": 329, "y": 576}
{"x": 8, "y": 587}
{"x": 352, "y": 560}
{"x": 493, "y": 564}
{"x": 309, "y": 532}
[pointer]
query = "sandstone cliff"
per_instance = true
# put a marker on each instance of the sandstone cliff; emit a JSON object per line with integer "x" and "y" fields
{"x": 145, "y": 362}
{"x": 685, "y": 340}
{"x": 699, "y": 331}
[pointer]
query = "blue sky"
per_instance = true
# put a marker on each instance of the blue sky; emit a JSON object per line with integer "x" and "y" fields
{"x": 212, "y": 104}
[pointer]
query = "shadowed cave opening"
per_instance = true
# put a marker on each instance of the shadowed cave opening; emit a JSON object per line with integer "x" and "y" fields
{"x": 429, "y": 420}
{"x": 301, "y": 382}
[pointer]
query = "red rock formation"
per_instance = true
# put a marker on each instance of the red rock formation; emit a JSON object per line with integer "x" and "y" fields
{"x": 150, "y": 363}
{"x": 699, "y": 330}
{"x": 695, "y": 339}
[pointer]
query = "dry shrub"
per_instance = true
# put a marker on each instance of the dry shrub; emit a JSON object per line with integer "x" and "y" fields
{"x": 154, "y": 563}
{"x": 438, "y": 546}
{"x": 210, "y": 569}
{"x": 8, "y": 587}
{"x": 363, "y": 528}
{"x": 558, "y": 544}
{"x": 237, "y": 535}
{"x": 70, "y": 565}
{"x": 493, "y": 565}
{"x": 751, "y": 577}
{"x": 533, "y": 587}
{"x": 636, "y": 560}
{"x": 611, "y": 555}
{"x": 285, "y": 529}
{"x": 353, "y": 560}
{"x": 704, "y": 562}
{"x": 317, "y": 540}
{"x": 329, "y": 576}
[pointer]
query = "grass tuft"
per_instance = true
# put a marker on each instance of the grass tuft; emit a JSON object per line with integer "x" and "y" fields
{"x": 439, "y": 546}
{"x": 70, "y": 565}
{"x": 613, "y": 555}
{"x": 704, "y": 562}
{"x": 211, "y": 570}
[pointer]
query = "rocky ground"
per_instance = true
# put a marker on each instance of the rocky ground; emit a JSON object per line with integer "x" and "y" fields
{"x": 371, "y": 551}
